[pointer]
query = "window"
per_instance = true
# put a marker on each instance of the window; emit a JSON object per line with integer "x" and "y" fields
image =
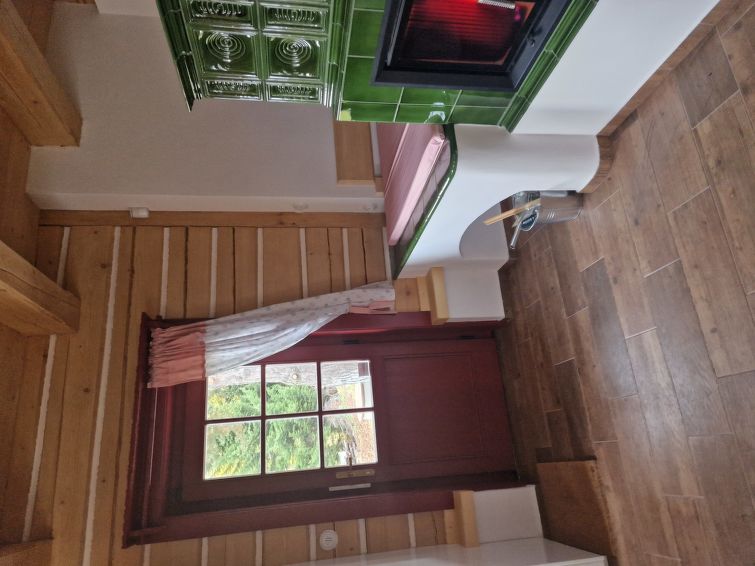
{"x": 312, "y": 415}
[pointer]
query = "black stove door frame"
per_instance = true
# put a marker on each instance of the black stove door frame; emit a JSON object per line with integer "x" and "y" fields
{"x": 504, "y": 78}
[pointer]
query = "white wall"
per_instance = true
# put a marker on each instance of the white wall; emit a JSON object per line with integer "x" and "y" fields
{"x": 620, "y": 46}
{"x": 140, "y": 146}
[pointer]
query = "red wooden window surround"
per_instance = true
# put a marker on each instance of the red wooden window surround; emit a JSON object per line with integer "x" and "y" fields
{"x": 169, "y": 500}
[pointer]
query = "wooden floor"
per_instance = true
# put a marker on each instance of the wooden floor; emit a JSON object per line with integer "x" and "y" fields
{"x": 633, "y": 332}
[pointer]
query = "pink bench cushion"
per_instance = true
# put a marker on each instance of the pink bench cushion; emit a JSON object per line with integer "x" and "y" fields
{"x": 408, "y": 156}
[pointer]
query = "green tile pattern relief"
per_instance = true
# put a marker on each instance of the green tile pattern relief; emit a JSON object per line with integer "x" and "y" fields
{"x": 254, "y": 49}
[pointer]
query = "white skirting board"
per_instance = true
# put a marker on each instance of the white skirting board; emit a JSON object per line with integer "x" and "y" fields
{"x": 519, "y": 552}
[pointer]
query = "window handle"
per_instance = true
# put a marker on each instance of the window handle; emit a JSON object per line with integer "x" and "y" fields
{"x": 355, "y": 474}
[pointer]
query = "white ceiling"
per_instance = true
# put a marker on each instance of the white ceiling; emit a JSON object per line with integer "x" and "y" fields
{"x": 140, "y": 146}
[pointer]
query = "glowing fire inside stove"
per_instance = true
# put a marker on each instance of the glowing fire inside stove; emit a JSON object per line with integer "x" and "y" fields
{"x": 460, "y": 31}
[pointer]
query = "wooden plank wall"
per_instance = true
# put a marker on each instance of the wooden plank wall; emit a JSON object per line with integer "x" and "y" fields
{"x": 20, "y": 357}
{"x": 77, "y": 483}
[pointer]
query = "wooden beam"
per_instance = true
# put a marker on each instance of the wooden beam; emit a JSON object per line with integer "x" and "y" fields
{"x": 436, "y": 290}
{"x": 353, "y": 142}
{"x": 214, "y": 219}
{"x": 36, "y": 553}
{"x": 29, "y": 91}
{"x": 466, "y": 518}
{"x": 30, "y": 302}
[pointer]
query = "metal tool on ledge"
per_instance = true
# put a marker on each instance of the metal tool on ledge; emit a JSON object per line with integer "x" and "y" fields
{"x": 532, "y": 208}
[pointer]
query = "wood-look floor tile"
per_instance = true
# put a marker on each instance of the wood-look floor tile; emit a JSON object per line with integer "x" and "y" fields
{"x": 585, "y": 249}
{"x": 558, "y": 429}
{"x": 653, "y": 520}
{"x": 727, "y": 12}
{"x": 517, "y": 303}
{"x": 612, "y": 233}
{"x": 523, "y": 439}
{"x": 539, "y": 361}
{"x": 690, "y": 43}
{"x": 567, "y": 268}
{"x": 739, "y": 43}
{"x": 544, "y": 454}
{"x": 642, "y": 202}
{"x": 655, "y": 560}
{"x": 555, "y": 328}
{"x": 506, "y": 339}
{"x": 663, "y": 418}
{"x": 671, "y": 146}
{"x": 607, "y": 334}
{"x": 727, "y": 139}
{"x": 624, "y": 529}
{"x": 529, "y": 390}
{"x": 719, "y": 299}
{"x": 591, "y": 377}
{"x": 705, "y": 79}
{"x": 686, "y": 354}
{"x": 593, "y": 200}
{"x": 696, "y": 545}
{"x": 723, "y": 482}
{"x": 570, "y": 394}
{"x": 515, "y": 403}
{"x": 528, "y": 270}
{"x": 738, "y": 394}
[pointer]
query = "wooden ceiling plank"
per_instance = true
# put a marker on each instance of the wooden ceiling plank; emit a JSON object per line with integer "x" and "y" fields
{"x": 29, "y": 91}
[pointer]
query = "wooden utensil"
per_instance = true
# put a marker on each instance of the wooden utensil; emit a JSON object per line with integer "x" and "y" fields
{"x": 512, "y": 212}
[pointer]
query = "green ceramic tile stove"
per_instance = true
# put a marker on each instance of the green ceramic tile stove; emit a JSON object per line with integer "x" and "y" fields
{"x": 323, "y": 51}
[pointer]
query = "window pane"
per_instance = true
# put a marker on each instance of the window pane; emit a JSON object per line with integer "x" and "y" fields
{"x": 290, "y": 388}
{"x": 349, "y": 439}
{"x": 292, "y": 444}
{"x": 346, "y": 385}
{"x": 232, "y": 449}
{"x": 235, "y": 393}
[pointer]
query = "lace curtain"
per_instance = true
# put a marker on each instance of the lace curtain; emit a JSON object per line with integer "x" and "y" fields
{"x": 191, "y": 352}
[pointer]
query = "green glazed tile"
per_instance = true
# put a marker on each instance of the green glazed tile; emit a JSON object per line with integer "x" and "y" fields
{"x": 575, "y": 16}
{"x": 432, "y": 96}
{"x": 419, "y": 114}
{"x": 369, "y": 4}
{"x": 233, "y": 88}
{"x": 537, "y": 76}
{"x": 357, "y": 87}
{"x": 285, "y": 92}
{"x": 488, "y": 99}
{"x": 366, "y": 112}
{"x": 514, "y": 113}
{"x": 476, "y": 115}
{"x": 335, "y": 38}
{"x": 365, "y": 29}
{"x": 226, "y": 52}
{"x": 176, "y": 30}
{"x": 222, "y": 12}
{"x": 294, "y": 57}
{"x": 290, "y": 18}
